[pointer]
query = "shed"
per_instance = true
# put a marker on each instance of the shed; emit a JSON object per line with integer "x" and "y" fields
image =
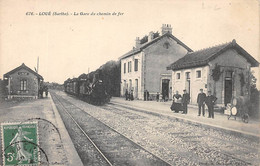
{"x": 23, "y": 82}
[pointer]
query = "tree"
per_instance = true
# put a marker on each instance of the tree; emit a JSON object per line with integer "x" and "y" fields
{"x": 216, "y": 73}
{"x": 254, "y": 96}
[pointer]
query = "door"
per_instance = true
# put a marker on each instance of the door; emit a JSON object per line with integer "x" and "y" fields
{"x": 228, "y": 91}
{"x": 165, "y": 87}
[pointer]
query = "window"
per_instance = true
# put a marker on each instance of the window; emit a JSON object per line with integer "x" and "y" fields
{"x": 187, "y": 75}
{"x": 178, "y": 76}
{"x": 23, "y": 84}
{"x": 136, "y": 64}
{"x": 124, "y": 67}
{"x": 198, "y": 74}
{"x": 228, "y": 74}
{"x": 166, "y": 45}
{"x": 129, "y": 66}
{"x": 130, "y": 85}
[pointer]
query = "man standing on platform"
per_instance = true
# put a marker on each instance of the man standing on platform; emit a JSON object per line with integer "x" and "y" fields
{"x": 210, "y": 101}
{"x": 126, "y": 94}
{"x": 185, "y": 101}
{"x": 201, "y": 102}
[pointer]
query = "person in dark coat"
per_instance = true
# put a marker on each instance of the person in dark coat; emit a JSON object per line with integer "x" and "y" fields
{"x": 185, "y": 101}
{"x": 132, "y": 95}
{"x": 46, "y": 90}
{"x": 201, "y": 102}
{"x": 126, "y": 94}
{"x": 210, "y": 101}
{"x": 176, "y": 102}
{"x": 41, "y": 91}
{"x": 145, "y": 94}
{"x": 157, "y": 96}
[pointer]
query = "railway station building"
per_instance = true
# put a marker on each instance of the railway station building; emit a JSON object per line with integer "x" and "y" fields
{"x": 23, "y": 82}
{"x": 144, "y": 67}
{"x": 222, "y": 69}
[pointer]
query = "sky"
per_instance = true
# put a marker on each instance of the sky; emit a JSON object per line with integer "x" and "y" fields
{"x": 68, "y": 46}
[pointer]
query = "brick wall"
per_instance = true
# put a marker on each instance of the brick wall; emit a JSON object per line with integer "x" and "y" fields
{"x": 31, "y": 83}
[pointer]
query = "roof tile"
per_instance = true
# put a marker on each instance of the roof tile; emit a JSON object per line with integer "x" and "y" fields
{"x": 202, "y": 57}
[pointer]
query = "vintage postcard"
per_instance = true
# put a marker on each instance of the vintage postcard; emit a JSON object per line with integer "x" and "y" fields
{"x": 146, "y": 83}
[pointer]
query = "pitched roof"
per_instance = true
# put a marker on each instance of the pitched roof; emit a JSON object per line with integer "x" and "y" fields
{"x": 204, "y": 56}
{"x": 23, "y": 66}
{"x": 143, "y": 46}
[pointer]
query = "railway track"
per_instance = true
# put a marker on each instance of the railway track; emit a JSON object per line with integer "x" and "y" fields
{"x": 99, "y": 144}
{"x": 119, "y": 108}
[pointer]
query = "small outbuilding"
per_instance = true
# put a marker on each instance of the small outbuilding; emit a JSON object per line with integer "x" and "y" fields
{"x": 223, "y": 69}
{"x": 23, "y": 82}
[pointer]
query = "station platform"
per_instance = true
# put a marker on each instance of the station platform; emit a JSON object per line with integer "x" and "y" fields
{"x": 220, "y": 121}
{"x": 53, "y": 136}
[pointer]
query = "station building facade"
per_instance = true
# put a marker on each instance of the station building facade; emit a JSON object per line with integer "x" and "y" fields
{"x": 144, "y": 67}
{"x": 222, "y": 69}
{"x": 23, "y": 82}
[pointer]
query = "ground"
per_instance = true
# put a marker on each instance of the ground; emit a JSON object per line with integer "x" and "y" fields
{"x": 148, "y": 129}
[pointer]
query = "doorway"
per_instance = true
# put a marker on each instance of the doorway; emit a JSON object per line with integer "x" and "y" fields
{"x": 228, "y": 91}
{"x": 136, "y": 88}
{"x": 165, "y": 88}
{"x": 228, "y": 87}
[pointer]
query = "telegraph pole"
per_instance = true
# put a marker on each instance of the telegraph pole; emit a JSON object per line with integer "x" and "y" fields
{"x": 37, "y": 65}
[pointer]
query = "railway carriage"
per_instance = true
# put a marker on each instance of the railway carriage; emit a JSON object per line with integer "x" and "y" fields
{"x": 93, "y": 92}
{"x": 98, "y": 86}
{"x": 71, "y": 86}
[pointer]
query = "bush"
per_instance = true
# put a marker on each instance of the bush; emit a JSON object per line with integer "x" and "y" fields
{"x": 254, "y": 98}
{"x": 3, "y": 89}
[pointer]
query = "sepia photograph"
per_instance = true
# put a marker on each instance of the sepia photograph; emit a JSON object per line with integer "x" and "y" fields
{"x": 129, "y": 83}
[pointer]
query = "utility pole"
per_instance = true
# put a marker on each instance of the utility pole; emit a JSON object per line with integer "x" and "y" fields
{"x": 37, "y": 65}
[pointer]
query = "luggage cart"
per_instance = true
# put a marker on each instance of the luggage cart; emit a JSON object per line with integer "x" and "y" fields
{"x": 238, "y": 108}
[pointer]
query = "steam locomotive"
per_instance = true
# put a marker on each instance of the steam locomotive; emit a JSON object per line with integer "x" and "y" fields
{"x": 98, "y": 86}
{"x": 91, "y": 92}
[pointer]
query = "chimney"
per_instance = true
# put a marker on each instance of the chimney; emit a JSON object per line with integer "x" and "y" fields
{"x": 150, "y": 37}
{"x": 137, "y": 42}
{"x": 166, "y": 28}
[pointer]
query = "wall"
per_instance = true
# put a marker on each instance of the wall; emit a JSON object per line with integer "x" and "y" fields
{"x": 32, "y": 84}
{"x": 158, "y": 57}
{"x": 133, "y": 75}
{"x": 195, "y": 83}
{"x": 230, "y": 60}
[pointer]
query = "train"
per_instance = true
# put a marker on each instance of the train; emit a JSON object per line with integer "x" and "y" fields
{"x": 97, "y": 87}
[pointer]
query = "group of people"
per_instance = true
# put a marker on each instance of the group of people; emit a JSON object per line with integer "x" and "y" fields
{"x": 180, "y": 103}
{"x": 161, "y": 97}
{"x": 43, "y": 88}
{"x": 146, "y": 95}
{"x": 129, "y": 95}
{"x": 209, "y": 100}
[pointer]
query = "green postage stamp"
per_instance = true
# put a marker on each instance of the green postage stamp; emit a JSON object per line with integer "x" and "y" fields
{"x": 20, "y": 143}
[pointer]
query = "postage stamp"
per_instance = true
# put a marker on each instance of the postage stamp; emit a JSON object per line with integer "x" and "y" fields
{"x": 20, "y": 143}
